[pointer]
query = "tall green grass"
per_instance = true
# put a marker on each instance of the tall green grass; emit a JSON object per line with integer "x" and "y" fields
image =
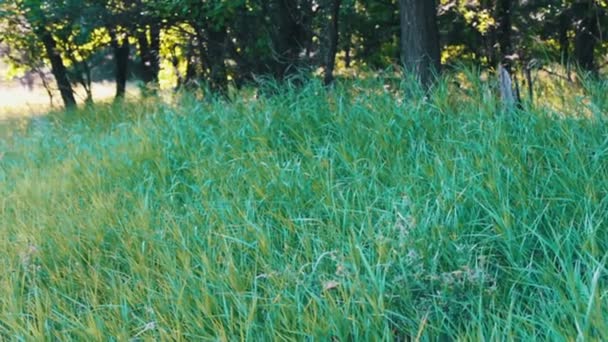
{"x": 355, "y": 213}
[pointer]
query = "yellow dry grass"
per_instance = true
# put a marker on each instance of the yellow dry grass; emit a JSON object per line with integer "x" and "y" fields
{"x": 17, "y": 101}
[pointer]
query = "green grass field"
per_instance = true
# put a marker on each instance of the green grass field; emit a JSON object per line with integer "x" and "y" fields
{"x": 358, "y": 213}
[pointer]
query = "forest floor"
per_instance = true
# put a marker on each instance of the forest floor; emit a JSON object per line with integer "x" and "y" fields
{"x": 364, "y": 212}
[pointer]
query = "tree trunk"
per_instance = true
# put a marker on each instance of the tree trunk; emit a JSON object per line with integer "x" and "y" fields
{"x": 489, "y": 39}
{"x": 307, "y": 22}
{"x": 58, "y": 69}
{"x": 585, "y": 39}
{"x": 82, "y": 75}
{"x": 564, "y": 42}
{"x": 88, "y": 80}
{"x": 504, "y": 9}
{"x": 122, "y": 64}
{"x": 420, "y": 39}
{"x": 121, "y": 60}
{"x": 155, "y": 51}
{"x": 149, "y": 54}
{"x": 505, "y": 84}
{"x": 145, "y": 56}
{"x": 332, "y": 49}
{"x": 286, "y": 38}
{"x": 203, "y": 54}
{"x": 217, "y": 55}
{"x": 46, "y": 85}
{"x": 190, "y": 66}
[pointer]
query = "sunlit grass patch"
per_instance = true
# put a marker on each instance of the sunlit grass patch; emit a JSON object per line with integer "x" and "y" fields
{"x": 20, "y": 102}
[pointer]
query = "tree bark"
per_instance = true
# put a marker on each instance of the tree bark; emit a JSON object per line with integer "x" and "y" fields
{"x": 217, "y": 55}
{"x": 506, "y": 88}
{"x": 564, "y": 41}
{"x": 504, "y": 9}
{"x": 332, "y": 49}
{"x": 46, "y": 85}
{"x": 190, "y": 67}
{"x": 489, "y": 40}
{"x": 58, "y": 69}
{"x": 155, "y": 51}
{"x": 585, "y": 39}
{"x": 287, "y": 36}
{"x": 149, "y": 53}
{"x": 82, "y": 75}
{"x": 307, "y": 22}
{"x": 121, "y": 60}
{"x": 202, "y": 49}
{"x": 420, "y": 39}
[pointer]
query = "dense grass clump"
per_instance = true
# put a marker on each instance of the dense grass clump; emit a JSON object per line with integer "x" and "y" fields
{"x": 355, "y": 213}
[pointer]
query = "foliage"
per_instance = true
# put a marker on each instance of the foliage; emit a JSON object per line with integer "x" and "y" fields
{"x": 218, "y": 42}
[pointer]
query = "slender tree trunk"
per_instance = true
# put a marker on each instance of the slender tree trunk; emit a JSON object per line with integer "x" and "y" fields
{"x": 46, "y": 85}
{"x": 217, "y": 55}
{"x": 155, "y": 51}
{"x": 203, "y": 53}
{"x": 504, "y": 9}
{"x": 82, "y": 76}
{"x": 489, "y": 39}
{"x": 88, "y": 80}
{"x": 505, "y": 84}
{"x": 529, "y": 81}
{"x": 332, "y": 49}
{"x": 308, "y": 15}
{"x": 564, "y": 42}
{"x": 145, "y": 56}
{"x": 149, "y": 53}
{"x": 122, "y": 64}
{"x": 286, "y": 40}
{"x": 420, "y": 39}
{"x": 58, "y": 69}
{"x": 585, "y": 40}
{"x": 121, "y": 60}
{"x": 190, "y": 67}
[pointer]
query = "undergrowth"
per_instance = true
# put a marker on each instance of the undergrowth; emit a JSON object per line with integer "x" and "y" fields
{"x": 363, "y": 212}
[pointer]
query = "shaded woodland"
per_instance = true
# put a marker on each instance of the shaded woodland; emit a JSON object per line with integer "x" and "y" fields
{"x": 219, "y": 44}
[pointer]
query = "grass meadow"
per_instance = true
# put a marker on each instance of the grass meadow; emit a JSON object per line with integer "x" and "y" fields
{"x": 364, "y": 212}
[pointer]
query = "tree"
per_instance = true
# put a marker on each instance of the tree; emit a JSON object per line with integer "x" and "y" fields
{"x": 504, "y": 10}
{"x": 57, "y": 67}
{"x": 121, "y": 50}
{"x": 332, "y": 38}
{"x": 229, "y": 42}
{"x": 151, "y": 19}
{"x": 59, "y": 33}
{"x": 587, "y": 31}
{"x": 149, "y": 52}
{"x": 41, "y": 23}
{"x": 420, "y": 39}
{"x": 289, "y": 34}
